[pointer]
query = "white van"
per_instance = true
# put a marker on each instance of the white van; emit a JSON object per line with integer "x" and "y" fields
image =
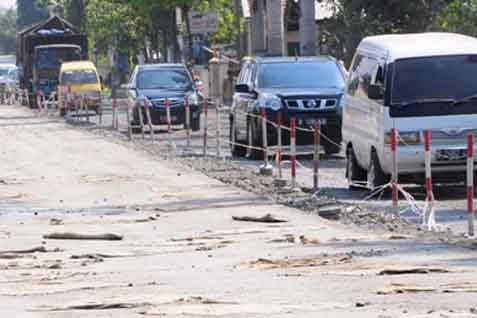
{"x": 410, "y": 82}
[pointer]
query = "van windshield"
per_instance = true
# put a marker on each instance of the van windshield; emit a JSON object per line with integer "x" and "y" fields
{"x": 79, "y": 77}
{"x": 431, "y": 85}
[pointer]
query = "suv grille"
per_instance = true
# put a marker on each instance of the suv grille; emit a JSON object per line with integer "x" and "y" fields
{"x": 161, "y": 102}
{"x": 310, "y": 103}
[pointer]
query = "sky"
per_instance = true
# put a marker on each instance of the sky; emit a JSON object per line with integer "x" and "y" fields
{"x": 7, "y": 3}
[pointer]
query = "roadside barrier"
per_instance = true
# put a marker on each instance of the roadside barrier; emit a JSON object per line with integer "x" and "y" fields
{"x": 293, "y": 151}
{"x": 394, "y": 177}
{"x": 187, "y": 121}
{"x": 217, "y": 126}
{"x": 316, "y": 155}
{"x": 429, "y": 210}
{"x": 206, "y": 111}
{"x": 168, "y": 119}
{"x": 470, "y": 183}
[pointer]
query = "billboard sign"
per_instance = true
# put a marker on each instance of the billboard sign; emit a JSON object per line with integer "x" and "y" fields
{"x": 202, "y": 23}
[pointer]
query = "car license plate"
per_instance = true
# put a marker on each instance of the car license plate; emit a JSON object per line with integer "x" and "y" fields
{"x": 451, "y": 154}
{"x": 164, "y": 119}
{"x": 312, "y": 121}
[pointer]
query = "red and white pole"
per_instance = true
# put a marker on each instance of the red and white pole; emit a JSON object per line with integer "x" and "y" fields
{"x": 394, "y": 177}
{"x": 263, "y": 113}
{"x": 206, "y": 110}
{"x": 115, "y": 115}
{"x": 470, "y": 182}
{"x": 427, "y": 154}
{"x": 187, "y": 120}
{"x": 293, "y": 150}
{"x": 168, "y": 118}
{"x": 279, "y": 141}
{"x": 316, "y": 155}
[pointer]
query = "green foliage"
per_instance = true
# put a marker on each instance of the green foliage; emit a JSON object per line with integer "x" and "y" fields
{"x": 460, "y": 16}
{"x": 356, "y": 19}
{"x": 29, "y": 13}
{"x": 228, "y": 30}
{"x": 8, "y": 30}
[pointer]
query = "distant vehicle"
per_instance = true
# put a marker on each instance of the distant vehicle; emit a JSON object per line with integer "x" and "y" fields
{"x": 411, "y": 83}
{"x": 82, "y": 79}
{"x": 8, "y": 78}
{"x": 157, "y": 83}
{"x": 307, "y": 88}
{"x": 40, "y": 51}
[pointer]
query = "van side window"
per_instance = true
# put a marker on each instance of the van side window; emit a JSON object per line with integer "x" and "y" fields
{"x": 354, "y": 76}
{"x": 366, "y": 73}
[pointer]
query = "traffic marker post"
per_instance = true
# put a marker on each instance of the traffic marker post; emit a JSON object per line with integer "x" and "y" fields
{"x": 147, "y": 107}
{"x": 128, "y": 118}
{"x": 263, "y": 113}
{"x": 394, "y": 177}
{"x": 114, "y": 106}
{"x": 280, "y": 144}
{"x": 206, "y": 110}
{"x": 316, "y": 155}
{"x": 187, "y": 121}
{"x": 293, "y": 151}
{"x": 141, "y": 118}
{"x": 470, "y": 183}
{"x": 217, "y": 124}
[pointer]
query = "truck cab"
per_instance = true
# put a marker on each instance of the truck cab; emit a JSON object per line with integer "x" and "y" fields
{"x": 47, "y": 62}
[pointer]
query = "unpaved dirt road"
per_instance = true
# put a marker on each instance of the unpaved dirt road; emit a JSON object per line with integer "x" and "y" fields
{"x": 181, "y": 254}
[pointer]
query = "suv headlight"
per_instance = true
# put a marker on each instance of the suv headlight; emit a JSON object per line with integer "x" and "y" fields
{"x": 270, "y": 101}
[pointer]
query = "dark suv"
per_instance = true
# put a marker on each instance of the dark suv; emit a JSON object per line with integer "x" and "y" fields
{"x": 307, "y": 88}
{"x": 155, "y": 83}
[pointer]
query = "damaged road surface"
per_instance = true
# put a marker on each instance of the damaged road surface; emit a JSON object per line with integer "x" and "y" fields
{"x": 93, "y": 227}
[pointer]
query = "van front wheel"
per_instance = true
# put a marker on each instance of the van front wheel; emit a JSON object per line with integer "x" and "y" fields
{"x": 376, "y": 175}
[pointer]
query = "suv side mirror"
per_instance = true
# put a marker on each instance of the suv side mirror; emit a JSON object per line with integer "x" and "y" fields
{"x": 243, "y": 88}
{"x": 375, "y": 92}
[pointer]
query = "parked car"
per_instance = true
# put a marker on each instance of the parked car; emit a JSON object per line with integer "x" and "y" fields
{"x": 156, "y": 83}
{"x": 80, "y": 78}
{"x": 411, "y": 83}
{"x": 308, "y": 88}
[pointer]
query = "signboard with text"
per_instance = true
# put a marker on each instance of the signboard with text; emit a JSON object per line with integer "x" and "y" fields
{"x": 202, "y": 23}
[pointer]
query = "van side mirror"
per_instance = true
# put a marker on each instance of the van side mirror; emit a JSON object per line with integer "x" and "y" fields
{"x": 243, "y": 88}
{"x": 375, "y": 92}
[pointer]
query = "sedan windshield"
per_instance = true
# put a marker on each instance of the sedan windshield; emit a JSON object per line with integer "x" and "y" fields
{"x": 300, "y": 75}
{"x": 434, "y": 78}
{"x": 164, "y": 79}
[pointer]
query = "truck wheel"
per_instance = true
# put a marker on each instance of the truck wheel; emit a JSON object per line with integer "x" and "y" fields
{"x": 254, "y": 141}
{"x": 376, "y": 175}
{"x": 236, "y": 150}
{"x": 354, "y": 173}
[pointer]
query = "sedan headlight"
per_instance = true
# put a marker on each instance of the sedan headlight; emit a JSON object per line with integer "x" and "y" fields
{"x": 270, "y": 101}
{"x": 405, "y": 138}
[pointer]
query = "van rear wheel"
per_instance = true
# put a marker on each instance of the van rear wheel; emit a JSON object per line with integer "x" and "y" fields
{"x": 376, "y": 175}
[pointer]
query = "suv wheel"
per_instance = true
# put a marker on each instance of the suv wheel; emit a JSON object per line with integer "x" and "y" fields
{"x": 195, "y": 124}
{"x": 376, "y": 175}
{"x": 235, "y": 149}
{"x": 253, "y": 141}
{"x": 354, "y": 173}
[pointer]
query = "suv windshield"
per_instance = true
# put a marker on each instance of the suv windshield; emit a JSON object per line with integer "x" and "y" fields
{"x": 164, "y": 79}
{"x": 79, "y": 77}
{"x": 300, "y": 75}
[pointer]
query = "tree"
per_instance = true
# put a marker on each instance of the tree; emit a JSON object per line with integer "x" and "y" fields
{"x": 355, "y": 19}
{"x": 29, "y": 13}
{"x": 459, "y": 16}
{"x": 7, "y": 31}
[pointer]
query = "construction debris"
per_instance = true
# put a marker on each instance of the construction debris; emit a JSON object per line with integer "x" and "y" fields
{"x": 77, "y": 236}
{"x": 413, "y": 270}
{"x": 267, "y": 218}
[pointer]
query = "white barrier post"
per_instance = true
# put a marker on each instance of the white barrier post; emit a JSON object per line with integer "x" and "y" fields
{"x": 38, "y": 101}
{"x": 470, "y": 182}
{"x": 394, "y": 177}
{"x": 147, "y": 108}
{"x": 168, "y": 118}
{"x": 141, "y": 118}
{"x": 293, "y": 151}
{"x": 187, "y": 121}
{"x": 217, "y": 123}
{"x": 263, "y": 113}
{"x": 316, "y": 155}
{"x": 206, "y": 110}
{"x": 27, "y": 97}
{"x": 429, "y": 191}
{"x": 279, "y": 141}
{"x": 128, "y": 119}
